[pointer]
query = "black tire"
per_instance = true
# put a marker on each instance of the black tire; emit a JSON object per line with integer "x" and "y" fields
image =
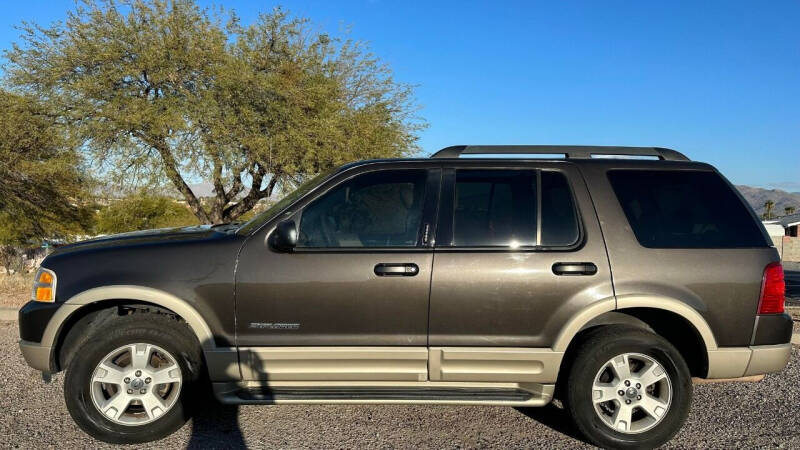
{"x": 164, "y": 331}
{"x": 598, "y": 347}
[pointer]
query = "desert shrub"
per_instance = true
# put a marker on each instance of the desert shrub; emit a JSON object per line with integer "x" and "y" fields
{"x": 142, "y": 212}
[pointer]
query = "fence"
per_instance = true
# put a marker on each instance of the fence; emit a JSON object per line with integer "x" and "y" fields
{"x": 788, "y": 247}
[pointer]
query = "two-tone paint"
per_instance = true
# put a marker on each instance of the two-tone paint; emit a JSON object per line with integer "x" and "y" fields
{"x": 468, "y": 316}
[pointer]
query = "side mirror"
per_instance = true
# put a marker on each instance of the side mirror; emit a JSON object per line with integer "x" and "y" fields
{"x": 284, "y": 238}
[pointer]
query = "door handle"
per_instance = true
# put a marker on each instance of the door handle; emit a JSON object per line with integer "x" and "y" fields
{"x": 396, "y": 269}
{"x": 574, "y": 268}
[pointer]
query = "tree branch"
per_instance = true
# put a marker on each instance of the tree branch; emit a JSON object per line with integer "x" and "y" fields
{"x": 253, "y": 196}
{"x": 171, "y": 170}
{"x": 221, "y": 198}
{"x": 238, "y": 184}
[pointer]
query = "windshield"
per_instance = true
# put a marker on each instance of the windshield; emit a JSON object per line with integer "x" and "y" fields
{"x": 287, "y": 200}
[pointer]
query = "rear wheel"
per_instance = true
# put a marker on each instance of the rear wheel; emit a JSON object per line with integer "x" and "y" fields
{"x": 628, "y": 388}
{"x": 132, "y": 380}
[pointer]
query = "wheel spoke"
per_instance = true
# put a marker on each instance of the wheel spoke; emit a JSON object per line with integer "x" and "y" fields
{"x": 140, "y": 355}
{"x": 653, "y": 406}
{"x": 113, "y": 389}
{"x": 647, "y": 392}
{"x": 116, "y": 405}
{"x": 171, "y": 374}
{"x": 621, "y": 366}
{"x": 622, "y": 418}
{"x": 152, "y": 404}
{"x": 108, "y": 373}
{"x": 603, "y": 392}
{"x": 652, "y": 374}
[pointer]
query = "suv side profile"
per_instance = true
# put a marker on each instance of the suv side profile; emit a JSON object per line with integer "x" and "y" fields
{"x": 605, "y": 282}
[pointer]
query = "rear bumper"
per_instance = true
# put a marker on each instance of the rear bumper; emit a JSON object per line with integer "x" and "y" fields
{"x": 768, "y": 358}
{"x": 772, "y": 329}
{"x": 735, "y": 362}
{"x": 36, "y": 355}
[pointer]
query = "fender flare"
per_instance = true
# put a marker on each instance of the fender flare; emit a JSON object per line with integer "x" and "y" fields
{"x": 675, "y": 306}
{"x": 130, "y": 292}
{"x": 622, "y": 302}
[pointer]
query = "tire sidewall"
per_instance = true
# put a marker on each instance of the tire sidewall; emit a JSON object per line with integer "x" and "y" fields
{"x": 77, "y": 383}
{"x": 581, "y": 380}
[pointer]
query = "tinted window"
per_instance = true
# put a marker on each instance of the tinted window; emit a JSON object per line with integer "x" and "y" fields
{"x": 495, "y": 208}
{"x": 500, "y": 208}
{"x": 287, "y": 200}
{"x": 684, "y": 209}
{"x": 377, "y": 209}
{"x": 559, "y": 220}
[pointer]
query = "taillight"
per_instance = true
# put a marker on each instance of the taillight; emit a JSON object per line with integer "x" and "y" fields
{"x": 773, "y": 290}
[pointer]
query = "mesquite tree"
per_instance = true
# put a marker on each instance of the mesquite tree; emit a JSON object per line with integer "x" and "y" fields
{"x": 166, "y": 90}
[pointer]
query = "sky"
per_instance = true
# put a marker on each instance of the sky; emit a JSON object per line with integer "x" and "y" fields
{"x": 716, "y": 80}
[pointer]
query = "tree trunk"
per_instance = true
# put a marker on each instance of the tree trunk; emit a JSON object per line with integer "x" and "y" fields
{"x": 171, "y": 169}
{"x": 252, "y": 197}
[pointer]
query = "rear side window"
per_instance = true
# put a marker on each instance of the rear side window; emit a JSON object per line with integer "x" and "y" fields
{"x": 495, "y": 208}
{"x": 513, "y": 208}
{"x": 559, "y": 220}
{"x": 684, "y": 209}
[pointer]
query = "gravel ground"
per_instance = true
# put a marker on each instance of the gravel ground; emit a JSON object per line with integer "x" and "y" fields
{"x": 723, "y": 416}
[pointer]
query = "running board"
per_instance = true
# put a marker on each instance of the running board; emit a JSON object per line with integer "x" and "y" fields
{"x": 509, "y": 394}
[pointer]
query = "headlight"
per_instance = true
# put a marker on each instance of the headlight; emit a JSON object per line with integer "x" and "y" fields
{"x": 44, "y": 286}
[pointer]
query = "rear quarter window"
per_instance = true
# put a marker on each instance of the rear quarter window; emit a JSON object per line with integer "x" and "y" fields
{"x": 684, "y": 209}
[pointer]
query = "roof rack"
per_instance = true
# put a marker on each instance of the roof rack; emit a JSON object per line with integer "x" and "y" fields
{"x": 569, "y": 151}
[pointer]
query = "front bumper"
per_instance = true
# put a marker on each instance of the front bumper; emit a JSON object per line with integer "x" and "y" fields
{"x": 34, "y": 318}
{"x": 36, "y": 355}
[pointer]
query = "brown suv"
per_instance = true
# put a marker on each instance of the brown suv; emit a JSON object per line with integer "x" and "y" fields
{"x": 606, "y": 282}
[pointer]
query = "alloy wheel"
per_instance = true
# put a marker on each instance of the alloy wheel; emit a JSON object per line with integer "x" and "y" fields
{"x": 135, "y": 384}
{"x": 632, "y": 393}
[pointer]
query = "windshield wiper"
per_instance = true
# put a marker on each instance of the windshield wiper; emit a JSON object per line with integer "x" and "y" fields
{"x": 226, "y": 225}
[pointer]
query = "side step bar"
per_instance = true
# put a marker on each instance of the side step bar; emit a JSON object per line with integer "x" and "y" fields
{"x": 509, "y": 394}
{"x": 387, "y": 393}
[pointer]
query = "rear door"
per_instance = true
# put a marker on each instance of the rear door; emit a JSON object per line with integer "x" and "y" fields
{"x": 518, "y": 252}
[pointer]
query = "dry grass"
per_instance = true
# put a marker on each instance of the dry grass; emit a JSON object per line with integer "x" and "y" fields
{"x": 15, "y": 289}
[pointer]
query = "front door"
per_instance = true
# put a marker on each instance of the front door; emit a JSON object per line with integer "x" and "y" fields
{"x": 350, "y": 302}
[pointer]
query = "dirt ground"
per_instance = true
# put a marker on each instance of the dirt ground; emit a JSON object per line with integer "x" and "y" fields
{"x": 15, "y": 289}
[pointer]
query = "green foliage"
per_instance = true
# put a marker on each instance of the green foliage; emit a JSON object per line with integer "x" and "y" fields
{"x": 41, "y": 181}
{"x": 142, "y": 212}
{"x": 166, "y": 90}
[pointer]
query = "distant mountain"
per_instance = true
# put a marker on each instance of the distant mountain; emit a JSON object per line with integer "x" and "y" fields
{"x": 204, "y": 189}
{"x": 758, "y": 196}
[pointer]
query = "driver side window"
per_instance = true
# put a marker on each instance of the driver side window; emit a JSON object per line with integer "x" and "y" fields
{"x": 372, "y": 210}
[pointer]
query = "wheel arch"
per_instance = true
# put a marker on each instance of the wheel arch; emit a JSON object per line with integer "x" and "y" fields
{"x": 97, "y": 299}
{"x": 142, "y": 294}
{"x": 672, "y": 319}
{"x": 597, "y": 312}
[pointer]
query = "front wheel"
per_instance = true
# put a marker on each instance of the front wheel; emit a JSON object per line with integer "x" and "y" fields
{"x": 131, "y": 381}
{"x": 628, "y": 388}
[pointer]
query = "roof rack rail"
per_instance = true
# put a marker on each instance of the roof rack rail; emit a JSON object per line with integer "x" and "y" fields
{"x": 569, "y": 151}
